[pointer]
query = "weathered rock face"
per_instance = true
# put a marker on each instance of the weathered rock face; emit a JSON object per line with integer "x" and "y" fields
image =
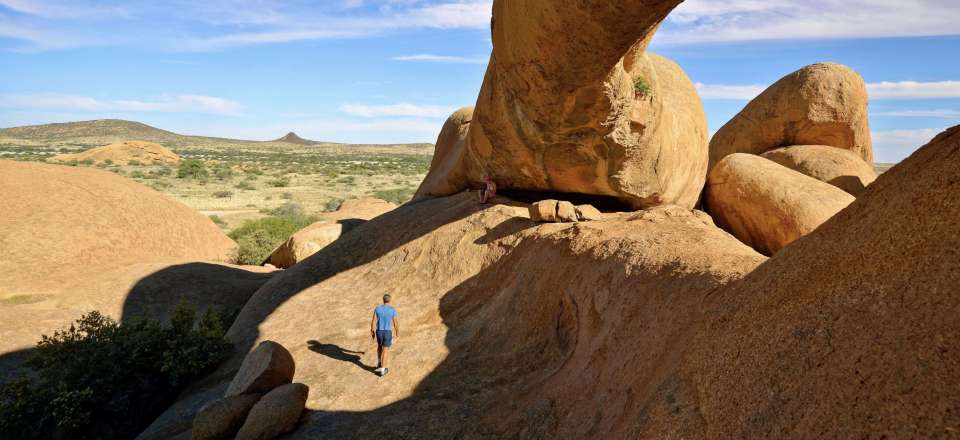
{"x": 843, "y": 169}
{"x": 544, "y": 211}
{"x": 855, "y": 323}
{"x": 821, "y": 104}
{"x": 312, "y": 238}
{"x": 579, "y": 112}
{"x": 276, "y": 413}
{"x": 221, "y": 419}
{"x": 265, "y": 368}
{"x": 146, "y": 153}
{"x": 767, "y": 205}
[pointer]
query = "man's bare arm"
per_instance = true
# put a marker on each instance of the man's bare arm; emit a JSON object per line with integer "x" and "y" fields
{"x": 373, "y": 325}
{"x": 396, "y": 326}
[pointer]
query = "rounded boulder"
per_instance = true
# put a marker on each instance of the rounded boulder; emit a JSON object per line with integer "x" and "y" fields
{"x": 767, "y": 205}
{"x": 820, "y": 104}
{"x": 843, "y": 169}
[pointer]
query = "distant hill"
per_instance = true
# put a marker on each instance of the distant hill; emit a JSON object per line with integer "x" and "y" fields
{"x": 86, "y": 134}
{"x": 292, "y": 138}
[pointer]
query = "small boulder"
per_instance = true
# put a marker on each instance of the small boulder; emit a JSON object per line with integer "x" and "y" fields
{"x": 221, "y": 419}
{"x": 278, "y": 412}
{"x": 767, "y": 205}
{"x": 843, "y": 169}
{"x": 588, "y": 213}
{"x": 566, "y": 212}
{"x": 265, "y": 368}
{"x": 544, "y": 211}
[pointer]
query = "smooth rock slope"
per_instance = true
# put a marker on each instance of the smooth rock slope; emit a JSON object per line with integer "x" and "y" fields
{"x": 501, "y": 319}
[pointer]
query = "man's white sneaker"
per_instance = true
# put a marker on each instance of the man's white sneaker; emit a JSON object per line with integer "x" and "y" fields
{"x": 379, "y": 370}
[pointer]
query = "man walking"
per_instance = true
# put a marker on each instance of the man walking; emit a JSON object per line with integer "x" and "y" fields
{"x": 382, "y": 327}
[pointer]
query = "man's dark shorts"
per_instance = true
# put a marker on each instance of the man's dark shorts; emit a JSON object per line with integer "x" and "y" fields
{"x": 384, "y": 338}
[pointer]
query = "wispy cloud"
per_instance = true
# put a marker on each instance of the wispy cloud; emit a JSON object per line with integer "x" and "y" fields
{"x": 441, "y": 59}
{"x": 187, "y": 25}
{"x": 168, "y": 104}
{"x": 886, "y": 90}
{"x": 750, "y": 20}
{"x": 914, "y": 90}
{"x": 401, "y": 109}
{"x": 895, "y": 145}
{"x": 729, "y": 92}
{"x": 936, "y": 113}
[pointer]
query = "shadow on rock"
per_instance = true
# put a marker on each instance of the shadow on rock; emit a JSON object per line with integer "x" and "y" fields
{"x": 339, "y": 353}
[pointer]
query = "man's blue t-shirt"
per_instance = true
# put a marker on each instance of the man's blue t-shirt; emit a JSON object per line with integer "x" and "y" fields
{"x": 385, "y": 314}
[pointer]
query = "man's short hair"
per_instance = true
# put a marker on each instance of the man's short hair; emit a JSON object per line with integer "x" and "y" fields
{"x": 386, "y": 297}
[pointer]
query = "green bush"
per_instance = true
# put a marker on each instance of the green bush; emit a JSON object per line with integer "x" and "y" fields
{"x": 163, "y": 171}
{"x": 100, "y": 379}
{"x": 108, "y": 161}
{"x": 279, "y": 182}
{"x": 87, "y": 162}
{"x": 244, "y": 185}
{"x": 192, "y": 169}
{"x": 397, "y": 195}
{"x": 134, "y": 163}
{"x": 138, "y": 175}
{"x": 218, "y": 221}
{"x": 223, "y": 172}
{"x": 258, "y": 238}
{"x": 223, "y": 194}
{"x": 640, "y": 87}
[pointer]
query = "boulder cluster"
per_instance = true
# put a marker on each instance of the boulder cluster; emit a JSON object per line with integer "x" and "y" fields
{"x": 262, "y": 402}
{"x": 560, "y": 211}
{"x": 795, "y": 156}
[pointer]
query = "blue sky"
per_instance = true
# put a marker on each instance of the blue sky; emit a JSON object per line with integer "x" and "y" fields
{"x": 392, "y": 70}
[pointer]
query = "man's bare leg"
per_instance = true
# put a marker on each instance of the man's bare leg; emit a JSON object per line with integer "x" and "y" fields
{"x": 379, "y": 356}
{"x": 384, "y": 357}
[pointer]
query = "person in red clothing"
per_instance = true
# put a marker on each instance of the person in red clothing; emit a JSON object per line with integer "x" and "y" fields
{"x": 489, "y": 190}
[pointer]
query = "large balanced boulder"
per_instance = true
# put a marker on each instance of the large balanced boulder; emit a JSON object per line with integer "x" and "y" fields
{"x": 276, "y": 413}
{"x": 843, "y": 169}
{"x": 588, "y": 112}
{"x": 850, "y": 332}
{"x": 307, "y": 241}
{"x": 767, "y": 205}
{"x": 265, "y": 368}
{"x": 123, "y": 153}
{"x": 820, "y": 104}
{"x": 221, "y": 419}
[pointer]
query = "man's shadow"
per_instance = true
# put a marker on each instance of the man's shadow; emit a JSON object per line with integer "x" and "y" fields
{"x": 341, "y": 354}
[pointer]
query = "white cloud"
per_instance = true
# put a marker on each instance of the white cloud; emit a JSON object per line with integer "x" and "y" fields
{"x": 895, "y": 145}
{"x": 441, "y": 59}
{"x": 188, "y": 25}
{"x": 885, "y": 90}
{"x": 748, "y": 20}
{"x": 728, "y": 92}
{"x": 936, "y": 113}
{"x": 401, "y": 109}
{"x": 914, "y": 90}
{"x": 168, "y": 104}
